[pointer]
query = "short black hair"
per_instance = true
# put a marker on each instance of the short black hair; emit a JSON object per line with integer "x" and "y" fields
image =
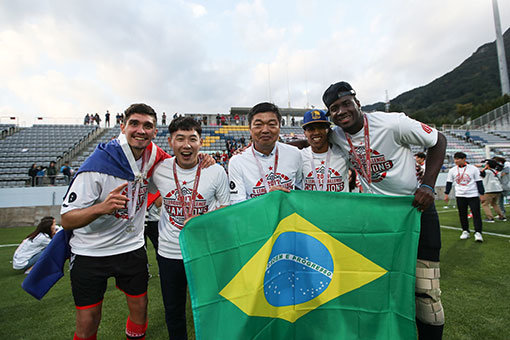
{"x": 140, "y": 108}
{"x": 421, "y": 155}
{"x": 186, "y": 124}
{"x": 264, "y": 107}
{"x": 459, "y": 155}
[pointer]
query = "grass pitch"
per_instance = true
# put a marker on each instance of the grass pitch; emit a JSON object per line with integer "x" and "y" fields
{"x": 475, "y": 283}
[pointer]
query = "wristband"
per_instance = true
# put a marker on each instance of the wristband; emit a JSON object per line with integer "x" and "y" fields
{"x": 427, "y": 186}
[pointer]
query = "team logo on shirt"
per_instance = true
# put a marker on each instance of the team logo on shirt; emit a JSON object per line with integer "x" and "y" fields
{"x": 378, "y": 163}
{"x": 335, "y": 180}
{"x": 463, "y": 180}
{"x": 272, "y": 180}
{"x": 426, "y": 128}
{"x": 142, "y": 194}
{"x": 173, "y": 206}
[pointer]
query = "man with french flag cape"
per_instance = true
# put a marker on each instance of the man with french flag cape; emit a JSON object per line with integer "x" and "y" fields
{"x": 103, "y": 214}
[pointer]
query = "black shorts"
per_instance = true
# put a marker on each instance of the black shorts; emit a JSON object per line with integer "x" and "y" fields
{"x": 430, "y": 235}
{"x": 89, "y": 276}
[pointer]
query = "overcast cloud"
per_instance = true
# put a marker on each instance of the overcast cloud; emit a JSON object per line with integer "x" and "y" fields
{"x": 62, "y": 59}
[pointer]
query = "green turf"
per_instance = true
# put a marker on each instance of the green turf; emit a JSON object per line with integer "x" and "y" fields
{"x": 475, "y": 283}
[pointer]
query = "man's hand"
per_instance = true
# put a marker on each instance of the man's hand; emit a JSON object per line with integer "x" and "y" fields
{"x": 241, "y": 150}
{"x": 114, "y": 201}
{"x": 446, "y": 198}
{"x": 207, "y": 160}
{"x": 423, "y": 198}
{"x": 277, "y": 187}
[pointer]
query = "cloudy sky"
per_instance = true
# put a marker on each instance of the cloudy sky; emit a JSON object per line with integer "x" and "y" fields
{"x": 60, "y": 59}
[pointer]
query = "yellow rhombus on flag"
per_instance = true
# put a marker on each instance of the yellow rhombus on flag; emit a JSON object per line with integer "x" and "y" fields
{"x": 340, "y": 271}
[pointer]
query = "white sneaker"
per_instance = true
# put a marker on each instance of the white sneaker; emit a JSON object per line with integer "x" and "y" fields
{"x": 478, "y": 237}
{"x": 464, "y": 235}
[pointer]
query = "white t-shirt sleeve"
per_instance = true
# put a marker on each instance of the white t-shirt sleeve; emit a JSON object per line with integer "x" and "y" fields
{"x": 237, "y": 185}
{"x": 299, "y": 173}
{"x": 83, "y": 193}
{"x": 222, "y": 189}
{"x": 413, "y": 132}
{"x": 450, "y": 177}
{"x": 476, "y": 175}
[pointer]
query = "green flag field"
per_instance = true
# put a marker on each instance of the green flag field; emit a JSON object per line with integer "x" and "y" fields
{"x": 475, "y": 280}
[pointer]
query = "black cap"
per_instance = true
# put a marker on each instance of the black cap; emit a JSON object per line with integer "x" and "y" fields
{"x": 336, "y": 91}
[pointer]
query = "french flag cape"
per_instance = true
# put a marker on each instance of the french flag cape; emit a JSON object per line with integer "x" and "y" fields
{"x": 108, "y": 158}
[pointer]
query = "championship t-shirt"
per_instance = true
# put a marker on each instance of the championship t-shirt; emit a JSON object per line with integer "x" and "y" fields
{"x": 110, "y": 234}
{"x": 246, "y": 179}
{"x": 338, "y": 176}
{"x": 465, "y": 179}
{"x": 392, "y": 164}
{"x": 212, "y": 192}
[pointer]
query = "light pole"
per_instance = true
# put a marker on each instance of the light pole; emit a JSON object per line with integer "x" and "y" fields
{"x": 503, "y": 70}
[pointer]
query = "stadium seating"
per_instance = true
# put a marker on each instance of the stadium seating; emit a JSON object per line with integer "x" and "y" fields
{"x": 39, "y": 144}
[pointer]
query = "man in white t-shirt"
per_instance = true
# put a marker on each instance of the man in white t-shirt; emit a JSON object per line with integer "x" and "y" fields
{"x": 378, "y": 145}
{"x": 267, "y": 165}
{"x": 188, "y": 189}
{"x": 469, "y": 191}
{"x": 106, "y": 214}
{"x": 320, "y": 155}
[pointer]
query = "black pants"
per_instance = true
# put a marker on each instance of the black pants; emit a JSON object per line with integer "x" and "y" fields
{"x": 173, "y": 289}
{"x": 474, "y": 205}
{"x": 429, "y": 245}
{"x": 151, "y": 231}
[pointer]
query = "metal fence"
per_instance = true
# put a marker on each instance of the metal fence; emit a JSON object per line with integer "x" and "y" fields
{"x": 493, "y": 120}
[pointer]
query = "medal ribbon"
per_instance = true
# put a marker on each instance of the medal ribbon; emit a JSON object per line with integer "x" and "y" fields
{"x": 365, "y": 171}
{"x": 261, "y": 171}
{"x": 187, "y": 208}
{"x": 147, "y": 162}
{"x": 326, "y": 172}
{"x": 459, "y": 176}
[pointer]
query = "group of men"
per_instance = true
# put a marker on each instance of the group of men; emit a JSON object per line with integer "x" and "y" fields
{"x": 105, "y": 207}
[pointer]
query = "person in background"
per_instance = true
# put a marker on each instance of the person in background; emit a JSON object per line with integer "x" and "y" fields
{"x": 52, "y": 172}
{"x": 41, "y": 171}
{"x": 469, "y": 191}
{"x": 505, "y": 182}
{"x": 493, "y": 190}
{"x": 107, "y": 119}
{"x": 28, "y": 252}
{"x": 420, "y": 164}
{"x": 32, "y": 172}
{"x": 65, "y": 169}
{"x": 163, "y": 118}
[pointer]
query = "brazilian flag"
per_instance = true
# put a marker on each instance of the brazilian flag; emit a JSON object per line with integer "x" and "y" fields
{"x": 304, "y": 265}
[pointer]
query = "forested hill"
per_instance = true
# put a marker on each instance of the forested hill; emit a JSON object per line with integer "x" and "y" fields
{"x": 470, "y": 90}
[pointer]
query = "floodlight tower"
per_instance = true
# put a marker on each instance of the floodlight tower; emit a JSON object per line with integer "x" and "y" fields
{"x": 387, "y": 105}
{"x": 503, "y": 71}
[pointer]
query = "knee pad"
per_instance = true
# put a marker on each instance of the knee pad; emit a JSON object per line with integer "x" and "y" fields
{"x": 429, "y": 309}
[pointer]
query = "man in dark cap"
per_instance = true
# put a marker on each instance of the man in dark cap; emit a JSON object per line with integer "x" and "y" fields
{"x": 378, "y": 145}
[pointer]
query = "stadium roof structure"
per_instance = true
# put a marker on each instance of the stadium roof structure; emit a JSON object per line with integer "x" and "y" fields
{"x": 295, "y": 112}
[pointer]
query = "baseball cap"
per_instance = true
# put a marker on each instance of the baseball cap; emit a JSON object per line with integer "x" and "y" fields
{"x": 315, "y": 116}
{"x": 336, "y": 91}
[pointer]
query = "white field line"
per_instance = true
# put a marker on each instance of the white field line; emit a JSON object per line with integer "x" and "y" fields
{"x": 8, "y": 245}
{"x": 483, "y": 233}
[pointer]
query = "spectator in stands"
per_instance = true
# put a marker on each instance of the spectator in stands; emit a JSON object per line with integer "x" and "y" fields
{"x": 163, "y": 119}
{"x": 41, "y": 172}
{"x": 117, "y": 119}
{"x": 86, "y": 120}
{"x": 389, "y": 136}
{"x": 236, "y": 118}
{"x": 218, "y": 119}
{"x": 283, "y": 121}
{"x": 467, "y": 136}
{"x": 223, "y": 120}
{"x": 204, "y": 120}
{"x": 97, "y": 119}
{"x": 65, "y": 169}
{"x": 32, "y": 172}
{"x": 292, "y": 121}
{"x": 107, "y": 119}
{"x": 420, "y": 164}
{"x": 469, "y": 191}
{"x": 505, "y": 182}
{"x": 52, "y": 172}
{"x": 493, "y": 190}
{"x": 30, "y": 249}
